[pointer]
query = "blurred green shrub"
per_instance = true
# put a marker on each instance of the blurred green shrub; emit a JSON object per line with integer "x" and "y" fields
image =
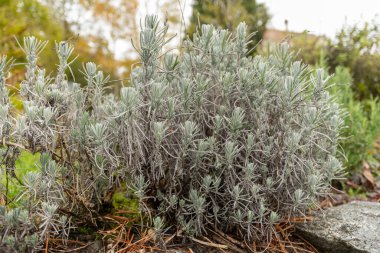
{"x": 362, "y": 121}
{"x": 366, "y": 74}
{"x": 356, "y": 47}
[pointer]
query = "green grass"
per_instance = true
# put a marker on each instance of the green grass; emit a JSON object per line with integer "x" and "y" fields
{"x": 25, "y": 163}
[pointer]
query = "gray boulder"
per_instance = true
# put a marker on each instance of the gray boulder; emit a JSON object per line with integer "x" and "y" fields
{"x": 349, "y": 228}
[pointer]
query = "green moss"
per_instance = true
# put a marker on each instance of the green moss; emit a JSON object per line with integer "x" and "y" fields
{"x": 123, "y": 200}
{"x": 27, "y": 162}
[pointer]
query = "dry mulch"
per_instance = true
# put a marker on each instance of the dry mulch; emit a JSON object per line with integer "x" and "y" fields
{"x": 122, "y": 239}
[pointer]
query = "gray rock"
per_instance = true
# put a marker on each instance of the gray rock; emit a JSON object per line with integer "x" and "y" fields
{"x": 349, "y": 228}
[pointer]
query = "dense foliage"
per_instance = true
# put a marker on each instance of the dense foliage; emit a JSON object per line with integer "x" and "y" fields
{"x": 209, "y": 138}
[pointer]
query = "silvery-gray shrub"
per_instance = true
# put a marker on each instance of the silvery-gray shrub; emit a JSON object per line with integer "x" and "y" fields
{"x": 229, "y": 141}
{"x": 209, "y": 138}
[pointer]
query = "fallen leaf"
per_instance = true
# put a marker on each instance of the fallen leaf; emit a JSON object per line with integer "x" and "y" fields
{"x": 325, "y": 203}
{"x": 368, "y": 174}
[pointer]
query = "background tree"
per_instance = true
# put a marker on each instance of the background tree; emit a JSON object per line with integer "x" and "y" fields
{"x": 22, "y": 18}
{"x": 228, "y": 14}
{"x": 104, "y": 25}
{"x": 94, "y": 27}
{"x": 48, "y": 20}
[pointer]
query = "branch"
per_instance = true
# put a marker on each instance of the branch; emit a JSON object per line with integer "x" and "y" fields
{"x": 9, "y": 143}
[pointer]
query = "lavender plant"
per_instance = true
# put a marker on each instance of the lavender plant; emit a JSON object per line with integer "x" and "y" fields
{"x": 230, "y": 141}
{"x": 206, "y": 139}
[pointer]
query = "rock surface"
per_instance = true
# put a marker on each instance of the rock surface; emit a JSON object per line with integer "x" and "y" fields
{"x": 349, "y": 228}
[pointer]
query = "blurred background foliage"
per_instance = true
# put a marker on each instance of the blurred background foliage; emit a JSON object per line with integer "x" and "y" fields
{"x": 19, "y": 19}
{"x": 353, "y": 54}
{"x": 356, "y": 47}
